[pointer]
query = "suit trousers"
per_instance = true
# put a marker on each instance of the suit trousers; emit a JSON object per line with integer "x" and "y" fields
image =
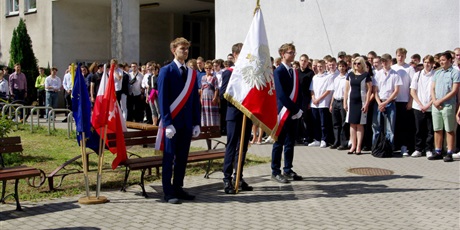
{"x": 424, "y": 139}
{"x": 340, "y": 127}
{"x": 175, "y": 156}
{"x": 322, "y": 123}
{"x": 233, "y": 146}
{"x": 286, "y": 139}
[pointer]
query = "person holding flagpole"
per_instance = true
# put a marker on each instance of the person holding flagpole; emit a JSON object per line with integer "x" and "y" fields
{"x": 234, "y": 118}
{"x": 180, "y": 110}
{"x": 289, "y": 103}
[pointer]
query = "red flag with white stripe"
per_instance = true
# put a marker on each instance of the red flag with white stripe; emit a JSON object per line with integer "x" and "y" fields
{"x": 251, "y": 87}
{"x": 106, "y": 113}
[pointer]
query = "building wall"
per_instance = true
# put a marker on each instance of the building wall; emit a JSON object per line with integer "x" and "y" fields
{"x": 38, "y": 28}
{"x": 156, "y": 32}
{"x": 421, "y": 26}
{"x": 81, "y": 33}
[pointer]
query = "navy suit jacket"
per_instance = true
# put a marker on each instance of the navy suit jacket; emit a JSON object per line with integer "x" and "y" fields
{"x": 232, "y": 112}
{"x": 283, "y": 86}
{"x": 170, "y": 85}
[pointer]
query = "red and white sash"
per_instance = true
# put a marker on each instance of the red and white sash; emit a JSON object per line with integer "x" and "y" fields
{"x": 176, "y": 107}
{"x": 284, "y": 112}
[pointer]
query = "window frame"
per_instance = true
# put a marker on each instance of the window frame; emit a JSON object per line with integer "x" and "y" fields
{"x": 27, "y": 7}
{"x": 10, "y": 11}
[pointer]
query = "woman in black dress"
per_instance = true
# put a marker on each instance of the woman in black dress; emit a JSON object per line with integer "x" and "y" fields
{"x": 357, "y": 96}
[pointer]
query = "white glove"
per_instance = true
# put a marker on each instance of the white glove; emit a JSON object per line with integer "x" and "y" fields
{"x": 196, "y": 131}
{"x": 170, "y": 131}
{"x": 298, "y": 115}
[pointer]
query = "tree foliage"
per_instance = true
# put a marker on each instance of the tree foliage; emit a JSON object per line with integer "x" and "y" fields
{"x": 21, "y": 52}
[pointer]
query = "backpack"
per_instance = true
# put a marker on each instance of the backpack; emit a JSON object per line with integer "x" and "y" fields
{"x": 382, "y": 147}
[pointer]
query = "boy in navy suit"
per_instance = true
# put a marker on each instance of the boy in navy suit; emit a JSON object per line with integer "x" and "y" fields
{"x": 180, "y": 110}
{"x": 234, "y": 118}
{"x": 289, "y": 102}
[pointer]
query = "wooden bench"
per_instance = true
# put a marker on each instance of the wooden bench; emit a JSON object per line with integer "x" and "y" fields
{"x": 13, "y": 145}
{"x": 144, "y": 137}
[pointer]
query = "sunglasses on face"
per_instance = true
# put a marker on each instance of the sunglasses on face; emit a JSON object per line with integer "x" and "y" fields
{"x": 357, "y": 63}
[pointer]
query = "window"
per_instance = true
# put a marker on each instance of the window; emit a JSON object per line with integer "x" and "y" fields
{"x": 30, "y": 6}
{"x": 12, "y": 7}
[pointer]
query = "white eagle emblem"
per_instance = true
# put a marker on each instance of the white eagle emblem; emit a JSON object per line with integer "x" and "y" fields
{"x": 258, "y": 72}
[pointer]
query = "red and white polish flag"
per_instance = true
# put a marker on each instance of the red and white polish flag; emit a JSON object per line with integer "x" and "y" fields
{"x": 251, "y": 86}
{"x": 106, "y": 113}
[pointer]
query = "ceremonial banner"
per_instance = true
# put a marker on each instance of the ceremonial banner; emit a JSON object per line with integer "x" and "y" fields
{"x": 251, "y": 86}
{"x": 106, "y": 113}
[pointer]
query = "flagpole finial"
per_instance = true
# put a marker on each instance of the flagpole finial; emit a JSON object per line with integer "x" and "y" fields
{"x": 257, "y": 7}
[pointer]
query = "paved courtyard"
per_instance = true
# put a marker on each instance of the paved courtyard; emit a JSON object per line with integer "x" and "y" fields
{"x": 421, "y": 194}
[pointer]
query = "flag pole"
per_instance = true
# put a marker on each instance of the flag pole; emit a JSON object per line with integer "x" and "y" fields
{"x": 243, "y": 132}
{"x": 100, "y": 160}
{"x": 85, "y": 162}
{"x": 240, "y": 155}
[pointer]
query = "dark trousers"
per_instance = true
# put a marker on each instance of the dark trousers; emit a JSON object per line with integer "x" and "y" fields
{"x": 286, "y": 139}
{"x": 423, "y": 131}
{"x": 404, "y": 126}
{"x": 340, "y": 127}
{"x": 233, "y": 146}
{"x": 41, "y": 95}
{"x": 308, "y": 133}
{"x": 322, "y": 123}
{"x": 175, "y": 156}
{"x": 223, "y": 113}
{"x": 135, "y": 108}
{"x": 19, "y": 95}
{"x": 367, "y": 139}
{"x": 68, "y": 102}
{"x": 148, "y": 112}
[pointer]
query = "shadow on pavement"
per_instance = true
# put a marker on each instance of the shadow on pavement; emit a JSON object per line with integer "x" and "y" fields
{"x": 37, "y": 210}
{"x": 75, "y": 228}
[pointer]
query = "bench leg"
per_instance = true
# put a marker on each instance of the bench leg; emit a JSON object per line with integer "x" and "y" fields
{"x": 142, "y": 184}
{"x": 2, "y": 200}
{"x": 16, "y": 196}
{"x": 51, "y": 183}
{"x": 125, "y": 181}
{"x": 208, "y": 168}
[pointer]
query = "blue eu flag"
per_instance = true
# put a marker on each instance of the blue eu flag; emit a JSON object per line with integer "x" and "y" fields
{"x": 81, "y": 109}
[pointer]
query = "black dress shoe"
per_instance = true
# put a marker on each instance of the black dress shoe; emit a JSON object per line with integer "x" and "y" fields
{"x": 183, "y": 195}
{"x": 228, "y": 187}
{"x": 65, "y": 120}
{"x": 333, "y": 147}
{"x": 292, "y": 176}
{"x": 435, "y": 156}
{"x": 342, "y": 148}
{"x": 279, "y": 178}
{"x": 365, "y": 148}
{"x": 244, "y": 186}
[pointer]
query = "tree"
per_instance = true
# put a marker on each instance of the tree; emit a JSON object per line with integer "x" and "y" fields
{"x": 21, "y": 52}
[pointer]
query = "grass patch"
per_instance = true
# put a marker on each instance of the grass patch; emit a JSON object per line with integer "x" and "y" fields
{"x": 48, "y": 151}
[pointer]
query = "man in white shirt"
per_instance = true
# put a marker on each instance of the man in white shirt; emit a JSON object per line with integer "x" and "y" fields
{"x": 420, "y": 92}
{"x": 67, "y": 85}
{"x": 321, "y": 87}
{"x": 135, "y": 103}
{"x": 121, "y": 86}
{"x": 339, "y": 125}
{"x": 145, "y": 87}
{"x": 52, "y": 87}
{"x": 386, "y": 85}
{"x": 405, "y": 126}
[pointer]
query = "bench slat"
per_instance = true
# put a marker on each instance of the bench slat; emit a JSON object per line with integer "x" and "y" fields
{"x": 18, "y": 172}
{"x": 11, "y": 149}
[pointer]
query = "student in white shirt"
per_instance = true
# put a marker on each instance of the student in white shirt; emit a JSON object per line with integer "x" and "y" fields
{"x": 52, "y": 87}
{"x": 404, "y": 127}
{"x": 420, "y": 92}
{"x": 386, "y": 85}
{"x": 321, "y": 87}
{"x": 3, "y": 87}
{"x": 340, "y": 127}
{"x": 135, "y": 103}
